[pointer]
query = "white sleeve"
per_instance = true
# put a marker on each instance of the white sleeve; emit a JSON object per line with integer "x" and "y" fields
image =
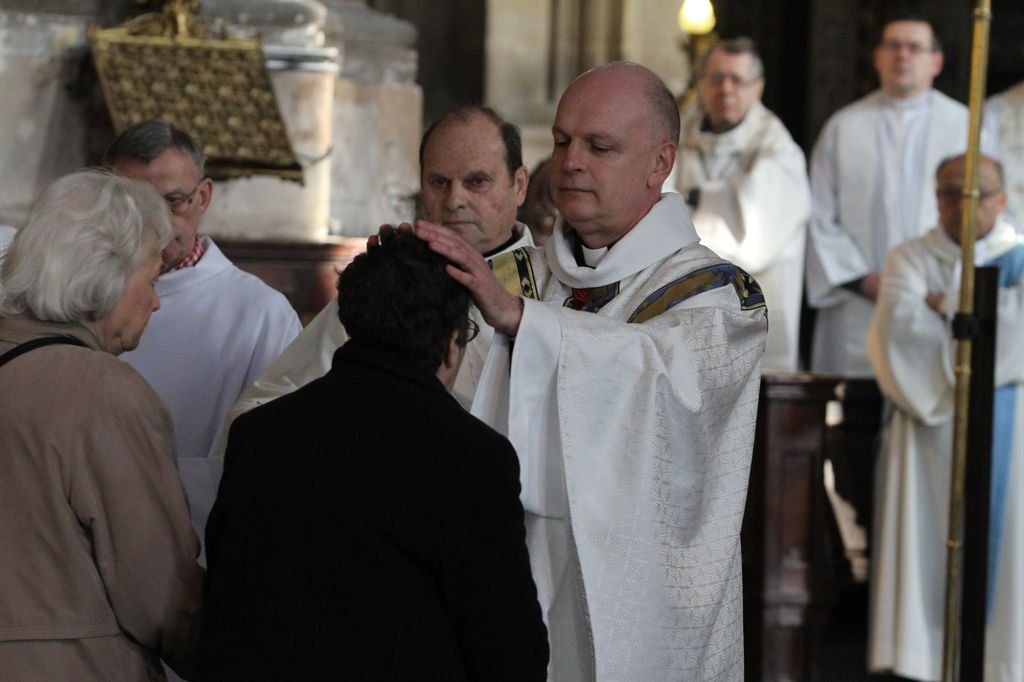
{"x": 833, "y": 258}
{"x": 752, "y": 217}
{"x": 306, "y": 358}
{"x": 909, "y": 344}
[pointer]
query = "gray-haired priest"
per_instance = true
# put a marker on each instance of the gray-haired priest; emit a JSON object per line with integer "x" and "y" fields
{"x": 745, "y": 180}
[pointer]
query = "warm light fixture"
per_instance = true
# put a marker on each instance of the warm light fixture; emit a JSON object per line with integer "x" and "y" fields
{"x": 696, "y": 17}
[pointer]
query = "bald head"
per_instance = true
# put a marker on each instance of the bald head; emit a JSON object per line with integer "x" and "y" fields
{"x": 615, "y": 136}
{"x": 651, "y": 90}
{"x": 950, "y": 179}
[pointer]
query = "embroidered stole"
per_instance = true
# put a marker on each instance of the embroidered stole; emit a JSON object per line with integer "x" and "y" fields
{"x": 515, "y": 272}
{"x": 689, "y": 285}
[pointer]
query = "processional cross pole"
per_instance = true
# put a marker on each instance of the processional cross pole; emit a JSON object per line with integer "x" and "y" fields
{"x": 964, "y": 328}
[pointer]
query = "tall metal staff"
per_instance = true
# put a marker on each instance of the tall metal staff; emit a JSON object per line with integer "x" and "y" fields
{"x": 963, "y": 329}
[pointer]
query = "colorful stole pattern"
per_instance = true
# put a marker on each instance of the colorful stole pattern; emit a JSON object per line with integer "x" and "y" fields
{"x": 593, "y": 299}
{"x": 697, "y": 282}
{"x": 514, "y": 271}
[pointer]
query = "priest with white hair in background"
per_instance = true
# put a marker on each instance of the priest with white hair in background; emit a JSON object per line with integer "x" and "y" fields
{"x": 745, "y": 180}
{"x": 913, "y": 352}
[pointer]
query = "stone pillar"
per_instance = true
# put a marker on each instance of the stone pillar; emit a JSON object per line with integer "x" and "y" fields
{"x": 302, "y": 72}
{"x": 377, "y": 119}
{"x": 44, "y": 126}
{"x": 535, "y": 48}
{"x": 651, "y": 36}
{"x": 528, "y": 65}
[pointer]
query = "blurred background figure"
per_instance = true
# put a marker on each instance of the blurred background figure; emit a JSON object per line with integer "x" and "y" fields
{"x": 538, "y": 211}
{"x": 99, "y": 578}
{"x": 870, "y": 187}
{"x": 912, "y": 351}
{"x": 745, "y": 181}
{"x": 1004, "y": 123}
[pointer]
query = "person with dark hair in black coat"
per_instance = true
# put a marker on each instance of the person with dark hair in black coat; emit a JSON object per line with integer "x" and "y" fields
{"x": 367, "y": 527}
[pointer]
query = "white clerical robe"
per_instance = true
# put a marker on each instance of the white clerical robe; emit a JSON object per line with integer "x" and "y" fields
{"x": 753, "y": 210}
{"x": 872, "y": 188}
{"x": 1004, "y": 123}
{"x": 913, "y": 353}
{"x": 217, "y": 329}
{"x": 635, "y": 443}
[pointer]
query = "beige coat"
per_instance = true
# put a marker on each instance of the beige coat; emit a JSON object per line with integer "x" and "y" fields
{"x": 98, "y": 572}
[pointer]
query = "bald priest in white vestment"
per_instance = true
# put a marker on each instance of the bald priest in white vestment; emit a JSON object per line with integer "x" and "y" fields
{"x": 630, "y": 393}
{"x": 912, "y": 350}
{"x": 871, "y": 188}
{"x": 1004, "y": 123}
{"x": 745, "y": 180}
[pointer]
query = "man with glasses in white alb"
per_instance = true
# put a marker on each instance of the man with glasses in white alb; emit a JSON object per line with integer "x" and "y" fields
{"x": 217, "y": 329}
{"x": 871, "y": 188}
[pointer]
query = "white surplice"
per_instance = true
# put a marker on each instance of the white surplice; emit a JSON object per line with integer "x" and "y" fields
{"x": 912, "y": 351}
{"x": 1004, "y": 122}
{"x": 872, "y": 189}
{"x": 753, "y": 210}
{"x": 635, "y": 444}
{"x": 217, "y": 329}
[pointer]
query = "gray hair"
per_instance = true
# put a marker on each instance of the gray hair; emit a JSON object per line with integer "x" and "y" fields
{"x": 85, "y": 235}
{"x": 665, "y": 108}
{"x": 736, "y": 46}
{"x": 147, "y": 140}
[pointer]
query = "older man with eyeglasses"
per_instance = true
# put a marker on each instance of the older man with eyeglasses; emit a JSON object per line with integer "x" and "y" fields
{"x": 745, "y": 180}
{"x": 218, "y": 327}
{"x": 912, "y": 351}
{"x": 870, "y": 187}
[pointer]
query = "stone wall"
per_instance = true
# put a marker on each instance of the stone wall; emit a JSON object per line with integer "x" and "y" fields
{"x": 535, "y": 48}
{"x": 345, "y": 82}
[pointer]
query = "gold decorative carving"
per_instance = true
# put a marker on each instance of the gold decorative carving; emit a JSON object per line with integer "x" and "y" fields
{"x": 169, "y": 65}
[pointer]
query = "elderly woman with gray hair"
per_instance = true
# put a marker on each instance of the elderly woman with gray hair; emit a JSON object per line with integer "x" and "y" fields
{"x": 98, "y": 579}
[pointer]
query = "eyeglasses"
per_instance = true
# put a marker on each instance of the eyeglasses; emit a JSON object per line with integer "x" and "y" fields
{"x": 472, "y": 330}
{"x": 178, "y": 203}
{"x": 952, "y": 194}
{"x": 914, "y": 49}
{"x": 717, "y": 79}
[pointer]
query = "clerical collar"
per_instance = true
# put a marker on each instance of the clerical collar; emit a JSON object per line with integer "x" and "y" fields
{"x": 511, "y": 240}
{"x": 585, "y": 256}
{"x": 914, "y": 102}
{"x": 705, "y": 126}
